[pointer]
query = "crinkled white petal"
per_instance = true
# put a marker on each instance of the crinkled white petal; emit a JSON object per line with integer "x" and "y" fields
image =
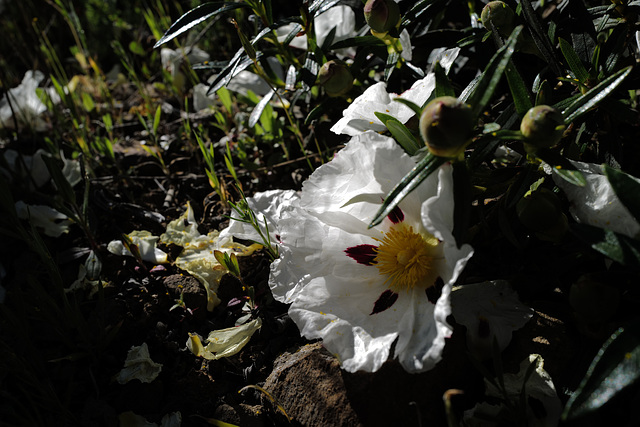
{"x": 146, "y": 243}
{"x": 333, "y": 296}
{"x": 360, "y": 115}
{"x": 139, "y": 366}
{"x": 596, "y": 203}
{"x": 272, "y": 206}
{"x": 405, "y": 41}
{"x": 52, "y": 222}
{"x": 25, "y": 103}
{"x": 497, "y": 305}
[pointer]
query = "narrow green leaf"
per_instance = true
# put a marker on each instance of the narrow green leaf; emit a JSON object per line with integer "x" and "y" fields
{"x": 156, "y": 120}
{"x": 415, "y": 107}
{"x": 318, "y": 7}
{"x": 391, "y": 65}
{"x": 194, "y": 17}
{"x": 419, "y": 173}
{"x": 443, "y": 84}
{"x": 519, "y": 91}
{"x": 257, "y": 111}
{"x": 573, "y": 60}
{"x": 595, "y": 95}
{"x": 626, "y": 188}
{"x": 402, "y": 135}
{"x": 540, "y": 37}
{"x": 563, "y": 167}
{"x": 360, "y": 41}
{"x": 618, "y": 247}
{"x": 615, "y": 367}
{"x": 483, "y": 90}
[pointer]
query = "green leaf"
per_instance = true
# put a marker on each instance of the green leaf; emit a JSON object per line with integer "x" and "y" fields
{"x": 415, "y": 107}
{"x": 573, "y": 60}
{"x": 443, "y": 84}
{"x": 626, "y": 188}
{"x": 519, "y": 91}
{"x": 539, "y": 34}
{"x": 156, "y": 120}
{"x": 615, "y": 367}
{"x": 357, "y": 42}
{"x": 595, "y": 95}
{"x": 419, "y": 173}
{"x": 257, "y": 111}
{"x": 483, "y": 89}
{"x": 402, "y": 135}
{"x": 391, "y": 65}
{"x": 618, "y": 247}
{"x": 563, "y": 167}
{"x": 194, "y": 17}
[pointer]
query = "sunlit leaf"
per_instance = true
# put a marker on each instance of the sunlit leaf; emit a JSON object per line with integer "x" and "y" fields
{"x": 563, "y": 167}
{"x": 419, "y": 173}
{"x": 595, "y": 95}
{"x": 195, "y": 16}
{"x": 615, "y": 368}
{"x": 402, "y": 135}
{"x": 257, "y": 111}
{"x": 573, "y": 60}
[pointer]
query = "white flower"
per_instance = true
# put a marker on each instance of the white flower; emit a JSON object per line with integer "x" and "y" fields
{"x": 361, "y": 289}
{"x": 342, "y": 18}
{"x": 360, "y": 115}
{"x": 146, "y": 244}
{"x": 543, "y": 405}
{"x": 596, "y": 203}
{"x": 25, "y": 103}
{"x": 489, "y": 310}
{"x": 172, "y": 59}
{"x": 52, "y": 222}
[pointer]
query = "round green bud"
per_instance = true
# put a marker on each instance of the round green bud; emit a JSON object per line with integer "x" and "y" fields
{"x": 498, "y": 15}
{"x": 381, "y": 15}
{"x": 541, "y": 212}
{"x": 542, "y": 127}
{"x": 446, "y": 126}
{"x": 336, "y": 78}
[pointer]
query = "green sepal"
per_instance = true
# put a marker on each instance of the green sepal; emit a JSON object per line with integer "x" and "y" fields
{"x": 402, "y": 135}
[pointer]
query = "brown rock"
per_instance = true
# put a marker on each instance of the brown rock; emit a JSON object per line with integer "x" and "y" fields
{"x": 194, "y": 294}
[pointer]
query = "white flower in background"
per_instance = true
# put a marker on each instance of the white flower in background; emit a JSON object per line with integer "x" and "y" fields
{"x": 489, "y": 310}
{"x": 361, "y": 289}
{"x": 543, "y": 405}
{"x": 340, "y": 17}
{"x": 146, "y": 244}
{"x": 596, "y": 203}
{"x": 360, "y": 115}
{"x": 51, "y": 221}
{"x": 172, "y": 59}
{"x": 25, "y": 103}
{"x": 32, "y": 169}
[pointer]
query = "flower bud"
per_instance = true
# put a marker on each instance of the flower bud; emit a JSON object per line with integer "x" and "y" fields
{"x": 381, "y": 15}
{"x": 446, "y": 126}
{"x": 542, "y": 127}
{"x": 540, "y": 211}
{"x": 498, "y": 15}
{"x": 336, "y": 78}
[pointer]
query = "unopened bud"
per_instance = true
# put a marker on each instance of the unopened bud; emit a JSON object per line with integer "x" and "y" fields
{"x": 446, "y": 126}
{"x": 498, "y": 15}
{"x": 541, "y": 212}
{"x": 381, "y": 15}
{"x": 542, "y": 127}
{"x": 336, "y": 78}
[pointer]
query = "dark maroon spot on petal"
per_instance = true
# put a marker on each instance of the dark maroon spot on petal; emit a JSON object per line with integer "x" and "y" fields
{"x": 278, "y": 238}
{"x": 396, "y": 215}
{"x": 483, "y": 327}
{"x": 434, "y": 292}
{"x": 386, "y": 300}
{"x": 363, "y": 254}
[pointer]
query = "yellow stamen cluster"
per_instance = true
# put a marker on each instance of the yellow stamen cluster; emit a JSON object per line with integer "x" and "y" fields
{"x": 407, "y": 258}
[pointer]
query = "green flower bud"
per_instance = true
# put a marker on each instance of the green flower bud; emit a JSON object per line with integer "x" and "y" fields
{"x": 540, "y": 211}
{"x": 446, "y": 126}
{"x": 381, "y": 15}
{"x": 498, "y": 15}
{"x": 336, "y": 78}
{"x": 542, "y": 127}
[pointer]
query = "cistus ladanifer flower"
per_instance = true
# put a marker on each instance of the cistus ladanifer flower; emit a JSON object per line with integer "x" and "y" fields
{"x": 542, "y": 127}
{"x": 446, "y": 126}
{"x": 499, "y": 16}
{"x": 381, "y": 15}
{"x": 540, "y": 211}
{"x": 335, "y": 78}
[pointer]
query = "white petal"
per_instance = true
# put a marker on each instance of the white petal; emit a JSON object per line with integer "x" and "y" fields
{"x": 52, "y": 222}
{"x": 495, "y": 303}
{"x": 596, "y": 203}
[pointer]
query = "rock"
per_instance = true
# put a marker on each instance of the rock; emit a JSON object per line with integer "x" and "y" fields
{"x": 308, "y": 384}
{"x": 194, "y": 294}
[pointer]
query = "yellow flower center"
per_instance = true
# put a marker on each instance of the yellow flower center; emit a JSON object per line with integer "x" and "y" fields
{"x": 407, "y": 258}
